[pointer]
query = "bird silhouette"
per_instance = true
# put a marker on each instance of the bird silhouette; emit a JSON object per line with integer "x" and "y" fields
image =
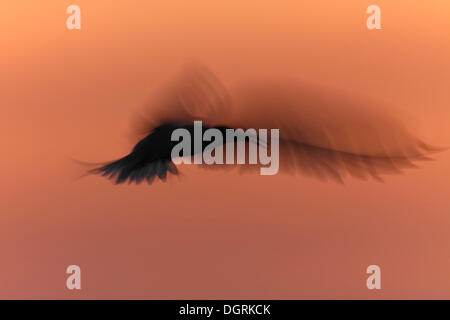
{"x": 323, "y": 133}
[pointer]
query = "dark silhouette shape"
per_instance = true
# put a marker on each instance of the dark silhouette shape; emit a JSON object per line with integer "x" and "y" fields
{"x": 323, "y": 134}
{"x": 150, "y": 157}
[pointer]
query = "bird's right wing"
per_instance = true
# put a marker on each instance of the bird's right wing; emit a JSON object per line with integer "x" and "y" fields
{"x": 329, "y": 135}
{"x": 330, "y": 164}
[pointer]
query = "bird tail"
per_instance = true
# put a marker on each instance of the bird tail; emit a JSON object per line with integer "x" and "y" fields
{"x": 127, "y": 168}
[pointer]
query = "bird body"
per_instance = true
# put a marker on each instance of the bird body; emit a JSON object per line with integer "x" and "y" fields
{"x": 151, "y": 156}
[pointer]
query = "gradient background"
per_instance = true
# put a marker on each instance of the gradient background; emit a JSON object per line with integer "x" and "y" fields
{"x": 72, "y": 94}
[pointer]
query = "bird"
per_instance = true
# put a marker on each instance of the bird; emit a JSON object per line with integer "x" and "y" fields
{"x": 323, "y": 133}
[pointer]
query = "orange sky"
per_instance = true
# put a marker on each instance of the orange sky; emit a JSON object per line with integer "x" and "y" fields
{"x": 208, "y": 234}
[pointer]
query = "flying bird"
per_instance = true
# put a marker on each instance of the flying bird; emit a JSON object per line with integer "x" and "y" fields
{"x": 323, "y": 133}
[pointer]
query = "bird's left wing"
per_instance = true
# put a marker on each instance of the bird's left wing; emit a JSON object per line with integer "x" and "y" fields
{"x": 193, "y": 94}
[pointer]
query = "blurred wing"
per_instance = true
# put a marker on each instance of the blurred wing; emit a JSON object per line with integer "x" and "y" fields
{"x": 328, "y": 164}
{"x": 329, "y": 135}
{"x": 195, "y": 94}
